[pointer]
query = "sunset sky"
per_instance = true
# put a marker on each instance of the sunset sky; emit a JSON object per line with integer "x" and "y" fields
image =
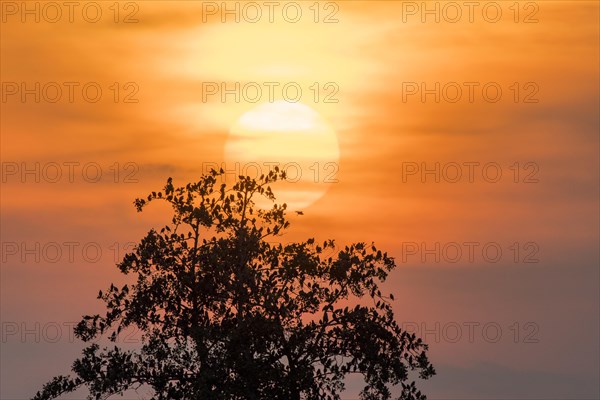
{"x": 376, "y": 130}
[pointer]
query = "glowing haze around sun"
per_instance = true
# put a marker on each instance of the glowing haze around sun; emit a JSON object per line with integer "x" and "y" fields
{"x": 297, "y": 139}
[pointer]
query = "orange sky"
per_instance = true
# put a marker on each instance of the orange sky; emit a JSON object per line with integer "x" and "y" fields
{"x": 372, "y": 55}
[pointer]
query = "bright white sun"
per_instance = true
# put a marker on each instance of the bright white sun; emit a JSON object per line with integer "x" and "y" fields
{"x": 292, "y": 136}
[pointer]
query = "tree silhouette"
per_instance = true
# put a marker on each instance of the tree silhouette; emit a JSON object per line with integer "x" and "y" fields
{"x": 226, "y": 314}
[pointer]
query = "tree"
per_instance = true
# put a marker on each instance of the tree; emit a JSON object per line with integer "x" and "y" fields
{"x": 228, "y": 315}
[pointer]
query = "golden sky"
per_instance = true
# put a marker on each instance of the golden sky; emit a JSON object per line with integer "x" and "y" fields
{"x": 380, "y": 62}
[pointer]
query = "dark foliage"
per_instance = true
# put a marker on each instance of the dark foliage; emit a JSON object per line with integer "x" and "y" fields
{"x": 227, "y": 314}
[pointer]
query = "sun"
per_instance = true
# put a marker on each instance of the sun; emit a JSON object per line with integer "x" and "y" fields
{"x": 292, "y": 136}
